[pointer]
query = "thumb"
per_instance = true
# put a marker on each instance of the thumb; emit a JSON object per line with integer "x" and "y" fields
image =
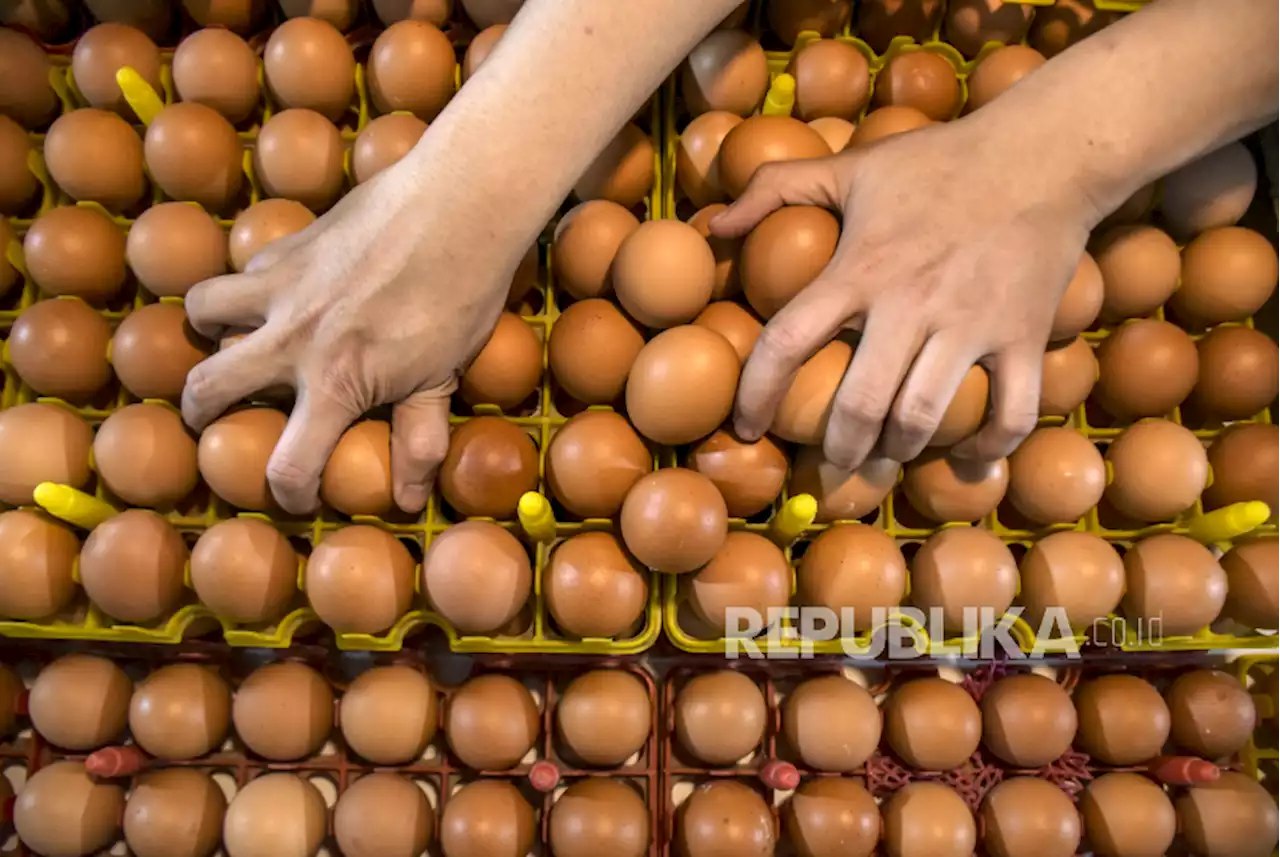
{"x": 807, "y": 182}
{"x": 419, "y": 442}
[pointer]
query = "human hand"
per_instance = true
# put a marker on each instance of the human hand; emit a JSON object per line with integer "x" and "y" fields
{"x": 954, "y": 251}
{"x": 385, "y": 299}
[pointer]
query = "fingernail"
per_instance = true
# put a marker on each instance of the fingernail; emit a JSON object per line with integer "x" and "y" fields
{"x": 746, "y": 432}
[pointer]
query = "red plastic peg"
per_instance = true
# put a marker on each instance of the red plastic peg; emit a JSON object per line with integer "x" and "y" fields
{"x": 1184, "y": 771}
{"x": 112, "y": 762}
{"x": 544, "y": 776}
{"x": 779, "y": 775}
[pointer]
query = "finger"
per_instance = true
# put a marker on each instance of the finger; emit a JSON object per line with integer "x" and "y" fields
{"x": 924, "y": 398}
{"x": 806, "y": 182}
{"x": 277, "y": 250}
{"x": 419, "y": 442}
{"x": 799, "y": 329}
{"x": 294, "y": 469}
{"x": 233, "y": 300}
{"x": 1015, "y": 406}
{"x": 890, "y": 341}
{"x": 252, "y": 364}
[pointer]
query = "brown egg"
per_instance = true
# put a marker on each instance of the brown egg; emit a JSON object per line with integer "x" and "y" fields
{"x": 698, "y": 156}
{"x": 972, "y": 23}
{"x": 340, "y": 13}
{"x": 1238, "y": 373}
{"x": 180, "y": 711}
{"x": 841, "y": 495}
{"x": 833, "y": 78}
{"x": 411, "y": 67}
{"x": 832, "y": 723}
{"x": 1056, "y": 476}
{"x": 1127, "y": 815}
{"x": 480, "y": 48}
{"x": 1134, "y": 209}
{"x": 762, "y": 139}
{"x": 682, "y": 384}
{"x": 37, "y": 560}
{"x": 218, "y": 69}
{"x": 1146, "y": 368}
{"x": 674, "y": 520}
{"x": 834, "y": 130}
{"x": 945, "y": 489}
{"x": 622, "y": 171}
{"x": 175, "y": 811}
{"x": 853, "y": 567}
{"x": 998, "y": 71}
{"x": 1068, "y": 374}
{"x": 63, "y": 811}
{"x": 1157, "y": 471}
{"x": 789, "y": 18}
{"x": 722, "y": 815}
{"x": 599, "y": 816}
{"x": 491, "y": 722}
{"x": 77, "y": 251}
{"x": 1139, "y": 265}
{"x": 153, "y": 350}
{"x": 151, "y": 16}
{"x": 132, "y": 566}
{"x": 233, "y": 454}
{"x": 41, "y": 442}
{"x": 80, "y": 702}
{"x": 509, "y": 367}
{"x": 604, "y": 717}
{"x": 101, "y": 52}
{"x": 308, "y": 64}
{"x": 886, "y": 122}
{"x": 173, "y": 246}
{"x": 593, "y": 461}
{"x": 725, "y": 250}
{"x": 490, "y": 464}
{"x": 388, "y": 715}
{"x": 720, "y": 717}
{"x": 87, "y": 137}
{"x": 1212, "y": 714}
{"x": 144, "y": 455}
{"x": 487, "y": 818}
{"x": 1027, "y": 720}
{"x": 383, "y": 142}
{"x": 735, "y": 323}
{"x": 382, "y": 814}
{"x": 283, "y": 711}
{"x": 1242, "y": 458}
{"x": 275, "y": 815}
{"x": 1060, "y": 26}
{"x": 244, "y": 570}
{"x": 262, "y": 223}
{"x": 435, "y": 11}
{"x": 1075, "y": 572}
{"x": 1209, "y": 193}
{"x": 59, "y": 348}
{"x": 749, "y": 475}
{"x": 1234, "y": 816}
{"x": 1083, "y": 298}
{"x": 664, "y": 273}
{"x": 725, "y": 71}
{"x": 1227, "y": 275}
{"x": 802, "y": 415}
{"x": 923, "y": 80}
{"x": 477, "y": 576}
{"x": 1175, "y": 586}
{"x": 592, "y": 588}
{"x": 1253, "y": 582}
{"x": 880, "y": 20}
{"x": 357, "y": 479}
{"x": 359, "y": 580}
{"x": 27, "y": 97}
{"x": 236, "y": 15}
{"x": 748, "y": 572}
{"x": 932, "y": 724}
{"x": 193, "y": 154}
{"x": 928, "y": 819}
{"x": 962, "y": 569}
{"x": 1122, "y": 720}
{"x": 964, "y": 415}
{"x": 1028, "y": 815}
{"x": 832, "y": 817}
{"x": 18, "y": 185}
{"x": 584, "y": 245}
{"x": 299, "y": 156}
{"x": 785, "y": 253}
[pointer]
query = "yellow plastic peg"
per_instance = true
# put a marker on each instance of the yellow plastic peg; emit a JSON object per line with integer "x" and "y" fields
{"x": 795, "y": 516}
{"x": 72, "y": 505}
{"x": 141, "y": 97}
{"x": 536, "y": 517}
{"x": 781, "y": 97}
{"x": 1229, "y": 522}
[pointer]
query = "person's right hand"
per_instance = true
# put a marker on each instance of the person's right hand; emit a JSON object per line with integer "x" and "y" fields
{"x": 955, "y": 250}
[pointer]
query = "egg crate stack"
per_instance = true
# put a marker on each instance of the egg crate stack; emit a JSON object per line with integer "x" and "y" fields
{"x": 302, "y": 807}
{"x": 798, "y": 790}
{"x": 533, "y": 308}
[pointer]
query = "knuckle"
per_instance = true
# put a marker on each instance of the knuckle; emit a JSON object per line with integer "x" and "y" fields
{"x": 425, "y": 446}
{"x": 288, "y": 475}
{"x": 858, "y": 407}
{"x": 200, "y": 382}
{"x": 779, "y": 342}
{"x": 916, "y": 422}
{"x": 1013, "y": 426}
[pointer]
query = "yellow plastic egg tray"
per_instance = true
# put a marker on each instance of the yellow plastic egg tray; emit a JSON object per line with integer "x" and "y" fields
{"x": 789, "y": 524}
{"x": 201, "y": 511}
{"x": 1260, "y": 757}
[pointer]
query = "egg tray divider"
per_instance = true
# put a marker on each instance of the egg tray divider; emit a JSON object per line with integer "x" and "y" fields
{"x": 541, "y": 781}
{"x": 202, "y": 509}
{"x": 773, "y": 771}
